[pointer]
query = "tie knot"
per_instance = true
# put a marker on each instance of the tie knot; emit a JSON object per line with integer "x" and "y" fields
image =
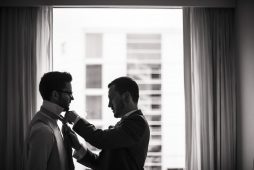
{"x": 62, "y": 119}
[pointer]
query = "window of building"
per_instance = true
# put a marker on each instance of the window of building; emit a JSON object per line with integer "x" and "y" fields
{"x": 93, "y": 45}
{"x": 94, "y": 107}
{"x": 93, "y": 76}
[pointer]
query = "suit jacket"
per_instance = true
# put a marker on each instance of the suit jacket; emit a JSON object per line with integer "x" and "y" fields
{"x": 44, "y": 147}
{"x": 124, "y": 147}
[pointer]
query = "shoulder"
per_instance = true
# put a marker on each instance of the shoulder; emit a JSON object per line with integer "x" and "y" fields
{"x": 40, "y": 141}
{"x": 137, "y": 120}
{"x": 41, "y": 126}
{"x": 136, "y": 126}
{"x": 137, "y": 117}
{"x": 41, "y": 130}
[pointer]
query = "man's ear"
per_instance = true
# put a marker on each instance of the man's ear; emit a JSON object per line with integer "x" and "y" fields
{"x": 54, "y": 95}
{"x": 126, "y": 96}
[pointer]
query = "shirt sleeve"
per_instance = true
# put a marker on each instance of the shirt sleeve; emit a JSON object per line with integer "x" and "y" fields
{"x": 76, "y": 120}
{"x": 128, "y": 133}
{"x": 79, "y": 154}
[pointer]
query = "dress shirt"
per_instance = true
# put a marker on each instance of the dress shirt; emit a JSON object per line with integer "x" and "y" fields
{"x": 52, "y": 107}
{"x": 55, "y": 109}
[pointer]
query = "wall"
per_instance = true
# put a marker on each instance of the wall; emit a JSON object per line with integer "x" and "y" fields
{"x": 208, "y": 3}
{"x": 245, "y": 116}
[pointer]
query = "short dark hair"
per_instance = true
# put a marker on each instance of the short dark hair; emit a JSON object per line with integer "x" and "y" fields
{"x": 53, "y": 81}
{"x": 126, "y": 84}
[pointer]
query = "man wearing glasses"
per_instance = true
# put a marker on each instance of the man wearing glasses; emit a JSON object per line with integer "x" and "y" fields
{"x": 45, "y": 146}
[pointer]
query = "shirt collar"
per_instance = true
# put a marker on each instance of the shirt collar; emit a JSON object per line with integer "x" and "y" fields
{"x": 52, "y": 107}
{"x": 129, "y": 113}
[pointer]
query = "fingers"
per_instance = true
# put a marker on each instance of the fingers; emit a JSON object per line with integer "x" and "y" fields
{"x": 70, "y": 116}
{"x": 66, "y": 129}
{"x": 74, "y": 139}
{"x": 71, "y": 132}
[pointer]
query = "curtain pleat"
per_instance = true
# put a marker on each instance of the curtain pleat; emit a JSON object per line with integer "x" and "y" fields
{"x": 210, "y": 89}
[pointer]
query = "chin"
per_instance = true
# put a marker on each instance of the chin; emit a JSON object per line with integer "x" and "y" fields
{"x": 66, "y": 109}
{"x": 116, "y": 116}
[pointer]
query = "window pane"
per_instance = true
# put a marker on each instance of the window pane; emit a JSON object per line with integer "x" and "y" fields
{"x": 153, "y": 68}
{"x": 154, "y": 148}
{"x": 149, "y": 86}
{"x": 153, "y": 117}
{"x": 146, "y": 37}
{"x": 133, "y": 46}
{"x": 93, "y": 76}
{"x": 93, "y": 107}
{"x": 93, "y": 45}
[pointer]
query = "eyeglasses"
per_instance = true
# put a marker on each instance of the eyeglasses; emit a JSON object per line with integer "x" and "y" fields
{"x": 66, "y": 92}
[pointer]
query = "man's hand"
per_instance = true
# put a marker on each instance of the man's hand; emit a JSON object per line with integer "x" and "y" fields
{"x": 74, "y": 140}
{"x": 71, "y": 116}
{"x": 72, "y": 137}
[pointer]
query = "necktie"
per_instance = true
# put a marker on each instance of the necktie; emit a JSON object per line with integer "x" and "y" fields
{"x": 67, "y": 144}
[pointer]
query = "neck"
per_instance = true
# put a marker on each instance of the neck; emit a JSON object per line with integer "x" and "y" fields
{"x": 52, "y": 107}
{"x": 130, "y": 108}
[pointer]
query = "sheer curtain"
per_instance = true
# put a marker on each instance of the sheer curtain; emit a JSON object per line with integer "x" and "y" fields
{"x": 44, "y": 49}
{"x": 210, "y": 89}
{"x": 22, "y": 32}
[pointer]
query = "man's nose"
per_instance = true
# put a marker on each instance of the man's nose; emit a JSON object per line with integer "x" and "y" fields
{"x": 72, "y": 98}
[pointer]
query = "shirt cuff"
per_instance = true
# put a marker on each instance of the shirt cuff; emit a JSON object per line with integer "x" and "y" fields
{"x": 76, "y": 120}
{"x": 79, "y": 154}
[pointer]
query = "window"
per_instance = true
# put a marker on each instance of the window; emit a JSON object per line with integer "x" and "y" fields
{"x": 93, "y": 76}
{"x": 94, "y": 107}
{"x": 99, "y": 45}
{"x": 93, "y": 45}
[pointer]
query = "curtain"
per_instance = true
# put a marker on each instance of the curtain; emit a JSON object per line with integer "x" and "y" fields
{"x": 210, "y": 89}
{"x": 44, "y": 49}
{"x": 20, "y": 30}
